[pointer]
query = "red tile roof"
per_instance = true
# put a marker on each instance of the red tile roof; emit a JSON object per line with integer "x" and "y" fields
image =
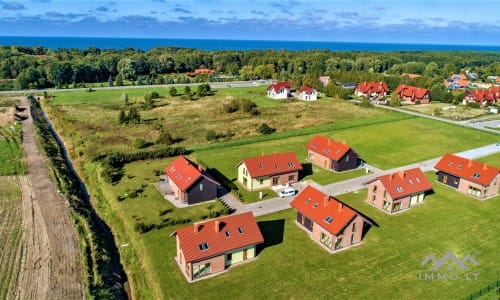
{"x": 277, "y": 163}
{"x": 278, "y": 86}
{"x": 411, "y": 91}
{"x": 318, "y": 206}
{"x": 372, "y": 87}
{"x": 185, "y": 173}
{"x": 405, "y": 183}
{"x": 307, "y": 89}
{"x": 329, "y": 148}
{"x": 491, "y": 95}
{"x": 222, "y": 235}
{"x": 203, "y": 71}
{"x": 461, "y": 79}
{"x": 467, "y": 169}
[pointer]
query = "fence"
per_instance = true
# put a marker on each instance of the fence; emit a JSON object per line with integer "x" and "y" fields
{"x": 485, "y": 290}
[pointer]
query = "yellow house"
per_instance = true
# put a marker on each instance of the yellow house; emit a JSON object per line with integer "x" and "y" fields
{"x": 269, "y": 170}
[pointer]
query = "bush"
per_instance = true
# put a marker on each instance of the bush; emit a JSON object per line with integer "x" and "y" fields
{"x": 165, "y": 138}
{"x": 140, "y": 143}
{"x": 172, "y": 91}
{"x": 211, "y": 135}
{"x": 473, "y": 105}
{"x": 231, "y": 106}
{"x": 265, "y": 129}
{"x": 203, "y": 89}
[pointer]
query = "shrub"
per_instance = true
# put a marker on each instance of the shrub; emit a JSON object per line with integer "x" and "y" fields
{"x": 140, "y": 143}
{"x": 172, "y": 91}
{"x": 165, "y": 138}
{"x": 203, "y": 89}
{"x": 473, "y": 105}
{"x": 231, "y": 106}
{"x": 211, "y": 135}
{"x": 247, "y": 105}
{"x": 265, "y": 129}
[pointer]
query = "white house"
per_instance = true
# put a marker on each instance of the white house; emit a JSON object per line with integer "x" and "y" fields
{"x": 308, "y": 93}
{"x": 279, "y": 90}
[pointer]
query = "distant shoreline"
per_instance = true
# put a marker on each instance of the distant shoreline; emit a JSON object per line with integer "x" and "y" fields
{"x": 217, "y": 44}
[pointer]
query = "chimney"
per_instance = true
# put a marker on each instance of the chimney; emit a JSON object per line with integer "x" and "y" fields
{"x": 327, "y": 198}
{"x": 197, "y": 227}
{"x": 485, "y": 167}
{"x": 469, "y": 164}
{"x": 392, "y": 176}
{"x": 217, "y": 226}
{"x": 329, "y": 142}
{"x": 343, "y": 142}
{"x": 402, "y": 174}
{"x": 341, "y": 206}
{"x": 200, "y": 168}
{"x": 262, "y": 153}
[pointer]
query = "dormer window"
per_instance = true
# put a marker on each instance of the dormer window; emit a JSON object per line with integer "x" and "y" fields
{"x": 399, "y": 189}
{"x": 240, "y": 230}
{"x": 316, "y": 205}
{"x": 328, "y": 219}
{"x": 290, "y": 164}
{"x": 308, "y": 200}
{"x": 410, "y": 181}
{"x": 261, "y": 166}
{"x": 450, "y": 164}
{"x": 476, "y": 175}
{"x": 228, "y": 234}
{"x": 203, "y": 246}
{"x": 459, "y": 167}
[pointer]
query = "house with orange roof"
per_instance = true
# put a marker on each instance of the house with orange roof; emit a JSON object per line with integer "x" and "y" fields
{"x": 189, "y": 182}
{"x": 398, "y": 191}
{"x": 279, "y": 90}
{"x": 266, "y": 171}
{"x": 371, "y": 89}
{"x": 411, "y": 94}
{"x": 483, "y": 96}
{"x": 329, "y": 222}
{"x": 468, "y": 176}
{"x": 212, "y": 246}
{"x": 308, "y": 93}
{"x": 203, "y": 71}
{"x": 457, "y": 81}
{"x": 331, "y": 155}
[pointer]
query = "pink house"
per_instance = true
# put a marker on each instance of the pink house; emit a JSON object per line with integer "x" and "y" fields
{"x": 399, "y": 191}
{"x": 469, "y": 177}
{"x": 329, "y": 222}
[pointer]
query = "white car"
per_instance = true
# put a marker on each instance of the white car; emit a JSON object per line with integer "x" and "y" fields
{"x": 287, "y": 192}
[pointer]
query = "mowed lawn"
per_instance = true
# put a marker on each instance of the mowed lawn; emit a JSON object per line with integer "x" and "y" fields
{"x": 11, "y": 152}
{"x": 385, "y": 146}
{"x": 385, "y": 266}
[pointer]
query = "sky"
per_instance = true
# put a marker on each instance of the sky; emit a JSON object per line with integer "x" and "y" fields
{"x": 405, "y": 21}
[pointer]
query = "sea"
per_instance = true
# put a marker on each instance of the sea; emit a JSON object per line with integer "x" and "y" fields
{"x": 214, "y": 44}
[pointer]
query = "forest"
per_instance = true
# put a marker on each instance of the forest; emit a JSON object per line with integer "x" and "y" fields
{"x": 40, "y": 67}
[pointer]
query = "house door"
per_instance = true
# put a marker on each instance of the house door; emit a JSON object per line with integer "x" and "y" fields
{"x": 445, "y": 179}
{"x": 245, "y": 254}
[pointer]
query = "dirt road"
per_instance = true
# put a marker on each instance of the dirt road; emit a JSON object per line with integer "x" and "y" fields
{"x": 51, "y": 266}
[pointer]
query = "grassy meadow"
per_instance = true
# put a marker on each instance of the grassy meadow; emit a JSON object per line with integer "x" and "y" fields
{"x": 11, "y": 151}
{"x": 289, "y": 264}
{"x": 10, "y": 236}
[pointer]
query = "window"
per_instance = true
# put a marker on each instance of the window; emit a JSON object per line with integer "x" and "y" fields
{"x": 328, "y": 219}
{"x": 373, "y": 198}
{"x": 450, "y": 164}
{"x": 455, "y": 181}
{"x": 410, "y": 181}
{"x": 325, "y": 239}
{"x": 353, "y": 227}
{"x": 399, "y": 189}
{"x": 203, "y": 246}
{"x": 417, "y": 179}
{"x": 308, "y": 200}
{"x": 228, "y": 234}
{"x": 347, "y": 158}
{"x": 374, "y": 188}
{"x": 476, "y": 175}
{"x": 261, "y": 181}
{"x": 352, "y": 239}
{"x": 201, "y": 187}
{"x": 338, "y": 243}
{"x": 201, "y": 270}
{"x": 291, "y": 177}
{"x": 261, "y": 166}
{"x": 240, "y": 230}
{"x": 290, "y": 164}
{"x": 385, "y": 194}
{"x": 229, "y": 256}
{"x": 315, "y": 205}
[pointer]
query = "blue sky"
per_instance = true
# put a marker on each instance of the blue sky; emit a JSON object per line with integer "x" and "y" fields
{"x": 435, "y": 22}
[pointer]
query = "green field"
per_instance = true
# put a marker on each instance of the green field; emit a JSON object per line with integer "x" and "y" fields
{"x": 290, "y": 265}
{"x": 11, "y": 152}
{"x": 10, "y": 236}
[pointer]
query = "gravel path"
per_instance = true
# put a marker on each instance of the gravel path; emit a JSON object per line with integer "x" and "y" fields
{"x": 51, "y": 266}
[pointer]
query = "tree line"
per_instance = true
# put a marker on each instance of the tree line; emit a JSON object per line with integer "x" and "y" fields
{"x": 39, "y": 67}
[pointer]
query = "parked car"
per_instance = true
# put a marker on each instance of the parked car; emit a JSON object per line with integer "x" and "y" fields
{"x": 287, "y": 192}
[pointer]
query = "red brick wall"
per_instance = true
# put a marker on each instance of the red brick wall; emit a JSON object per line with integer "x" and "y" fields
{"x": 283, "y": 178}
{"x": 216, "y": 264}
{"x": 319, "y": 159}
{"x": 177, "y": 191}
